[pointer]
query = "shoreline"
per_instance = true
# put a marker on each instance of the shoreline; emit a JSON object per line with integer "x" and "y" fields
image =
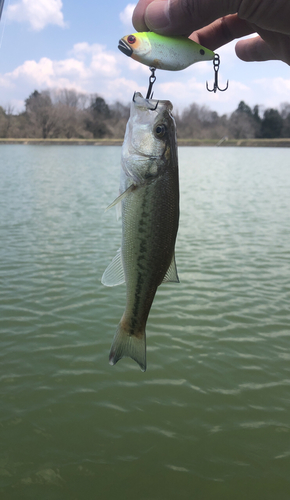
{"x": 280, "y": 143}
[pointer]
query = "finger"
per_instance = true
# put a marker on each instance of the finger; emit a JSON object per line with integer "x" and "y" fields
{"x": 138, "y": 18}
{"x": 222, "y": 31}
{"x": 266, "y": 47}
{"x": 254, "y": 49}
{"x": 181, "y": 17}
{"x": 268, "y": 14}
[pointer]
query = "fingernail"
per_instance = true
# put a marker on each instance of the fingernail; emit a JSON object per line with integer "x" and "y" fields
{"x": 157, "y": 15}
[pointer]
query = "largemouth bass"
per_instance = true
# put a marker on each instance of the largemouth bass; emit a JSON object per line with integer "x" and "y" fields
{"x": 149, "y": 196}
{"x": 172, "y": 53}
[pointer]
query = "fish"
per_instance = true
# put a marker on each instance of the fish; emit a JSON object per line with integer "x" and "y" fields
{"x": 171, "y": 53}
{"x": 149, "y": 198}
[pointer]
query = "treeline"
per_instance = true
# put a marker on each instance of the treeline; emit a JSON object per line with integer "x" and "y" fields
{"x": 244, "y": 123}
{"x": 64, "y": 114}
{"x": 70, "y": 114}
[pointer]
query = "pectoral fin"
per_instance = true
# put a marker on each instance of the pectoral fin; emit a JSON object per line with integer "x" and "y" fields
{"x": 121, "y": 197}
{"x": 114, "y": 274}
{"x": 171, "y": 273}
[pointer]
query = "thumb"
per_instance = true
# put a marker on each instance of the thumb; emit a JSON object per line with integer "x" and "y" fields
{"x": 182, "y": 17}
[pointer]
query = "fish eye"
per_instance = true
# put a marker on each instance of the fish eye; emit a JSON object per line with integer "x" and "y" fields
{"x": 131, "y": 39}
{"x": 160, "y": 130}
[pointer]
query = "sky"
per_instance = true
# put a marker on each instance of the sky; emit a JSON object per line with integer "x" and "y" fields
{"x": 55, "y": 44}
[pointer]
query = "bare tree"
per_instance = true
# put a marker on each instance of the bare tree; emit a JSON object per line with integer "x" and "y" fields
{"x": 70, "y": 98}
{"x": 6, "y": 121}
{"x": 40, "y": 113}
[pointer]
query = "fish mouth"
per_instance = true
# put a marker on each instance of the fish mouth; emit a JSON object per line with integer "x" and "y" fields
{"x": 125, "y": 48}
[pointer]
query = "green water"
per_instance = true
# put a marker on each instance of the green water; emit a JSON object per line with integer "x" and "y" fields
{"x": 210, "y": 419}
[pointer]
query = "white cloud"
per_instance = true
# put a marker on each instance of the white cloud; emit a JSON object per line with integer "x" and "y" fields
{"x": 89, "y": 69}
{"x": 47, "y": 74}
{"x": 38, "y": 13}
{"x": 273, "y": 87}
{"x": 99, "y": 61}
{"x": 126, "y": 14}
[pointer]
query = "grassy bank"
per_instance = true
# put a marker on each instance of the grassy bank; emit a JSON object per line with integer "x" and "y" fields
{"x": 274, "y": 143}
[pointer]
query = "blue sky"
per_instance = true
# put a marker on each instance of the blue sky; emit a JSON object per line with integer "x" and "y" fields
{"x": 53, "y": 44}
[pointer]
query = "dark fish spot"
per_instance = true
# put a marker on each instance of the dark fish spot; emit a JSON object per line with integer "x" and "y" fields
{"x": 201, "y": 52}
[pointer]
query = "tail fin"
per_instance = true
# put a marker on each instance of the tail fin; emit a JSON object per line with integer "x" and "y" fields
{"x": 125, "y": 344}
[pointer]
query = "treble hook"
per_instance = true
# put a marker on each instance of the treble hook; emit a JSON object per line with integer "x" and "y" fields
{"x": 152, "y": 79}
{"x": 216, "y": 65}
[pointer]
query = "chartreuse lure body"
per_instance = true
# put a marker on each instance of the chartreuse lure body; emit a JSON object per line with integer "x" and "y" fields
{"x": 171, "y": 53}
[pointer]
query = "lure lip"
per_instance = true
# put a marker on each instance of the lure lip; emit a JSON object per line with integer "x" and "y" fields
{"x": 125, "y": 48}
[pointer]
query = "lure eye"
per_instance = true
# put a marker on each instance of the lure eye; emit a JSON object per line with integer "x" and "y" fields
{"x": 131, "y": 39}
{"x": 160, "y": 131}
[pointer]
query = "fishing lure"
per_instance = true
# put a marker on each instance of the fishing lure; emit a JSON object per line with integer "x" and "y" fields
{"x": 172, "y": 53}
{"x": 164, "y": 52}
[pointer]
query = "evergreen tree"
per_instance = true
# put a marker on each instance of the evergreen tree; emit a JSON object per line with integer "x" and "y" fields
{"x": 272, "y": 124}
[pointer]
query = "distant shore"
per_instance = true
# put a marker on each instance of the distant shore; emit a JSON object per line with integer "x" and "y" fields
{"x": 272, "y": 143}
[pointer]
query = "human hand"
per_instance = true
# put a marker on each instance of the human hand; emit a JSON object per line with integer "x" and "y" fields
{"x": 213, "y": 23}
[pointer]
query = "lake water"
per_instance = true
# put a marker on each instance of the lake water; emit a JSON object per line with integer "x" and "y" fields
{"x": 210, "y": 419}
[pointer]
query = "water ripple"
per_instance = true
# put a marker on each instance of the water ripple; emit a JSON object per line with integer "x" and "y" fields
{"x": 211, "y": 414}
